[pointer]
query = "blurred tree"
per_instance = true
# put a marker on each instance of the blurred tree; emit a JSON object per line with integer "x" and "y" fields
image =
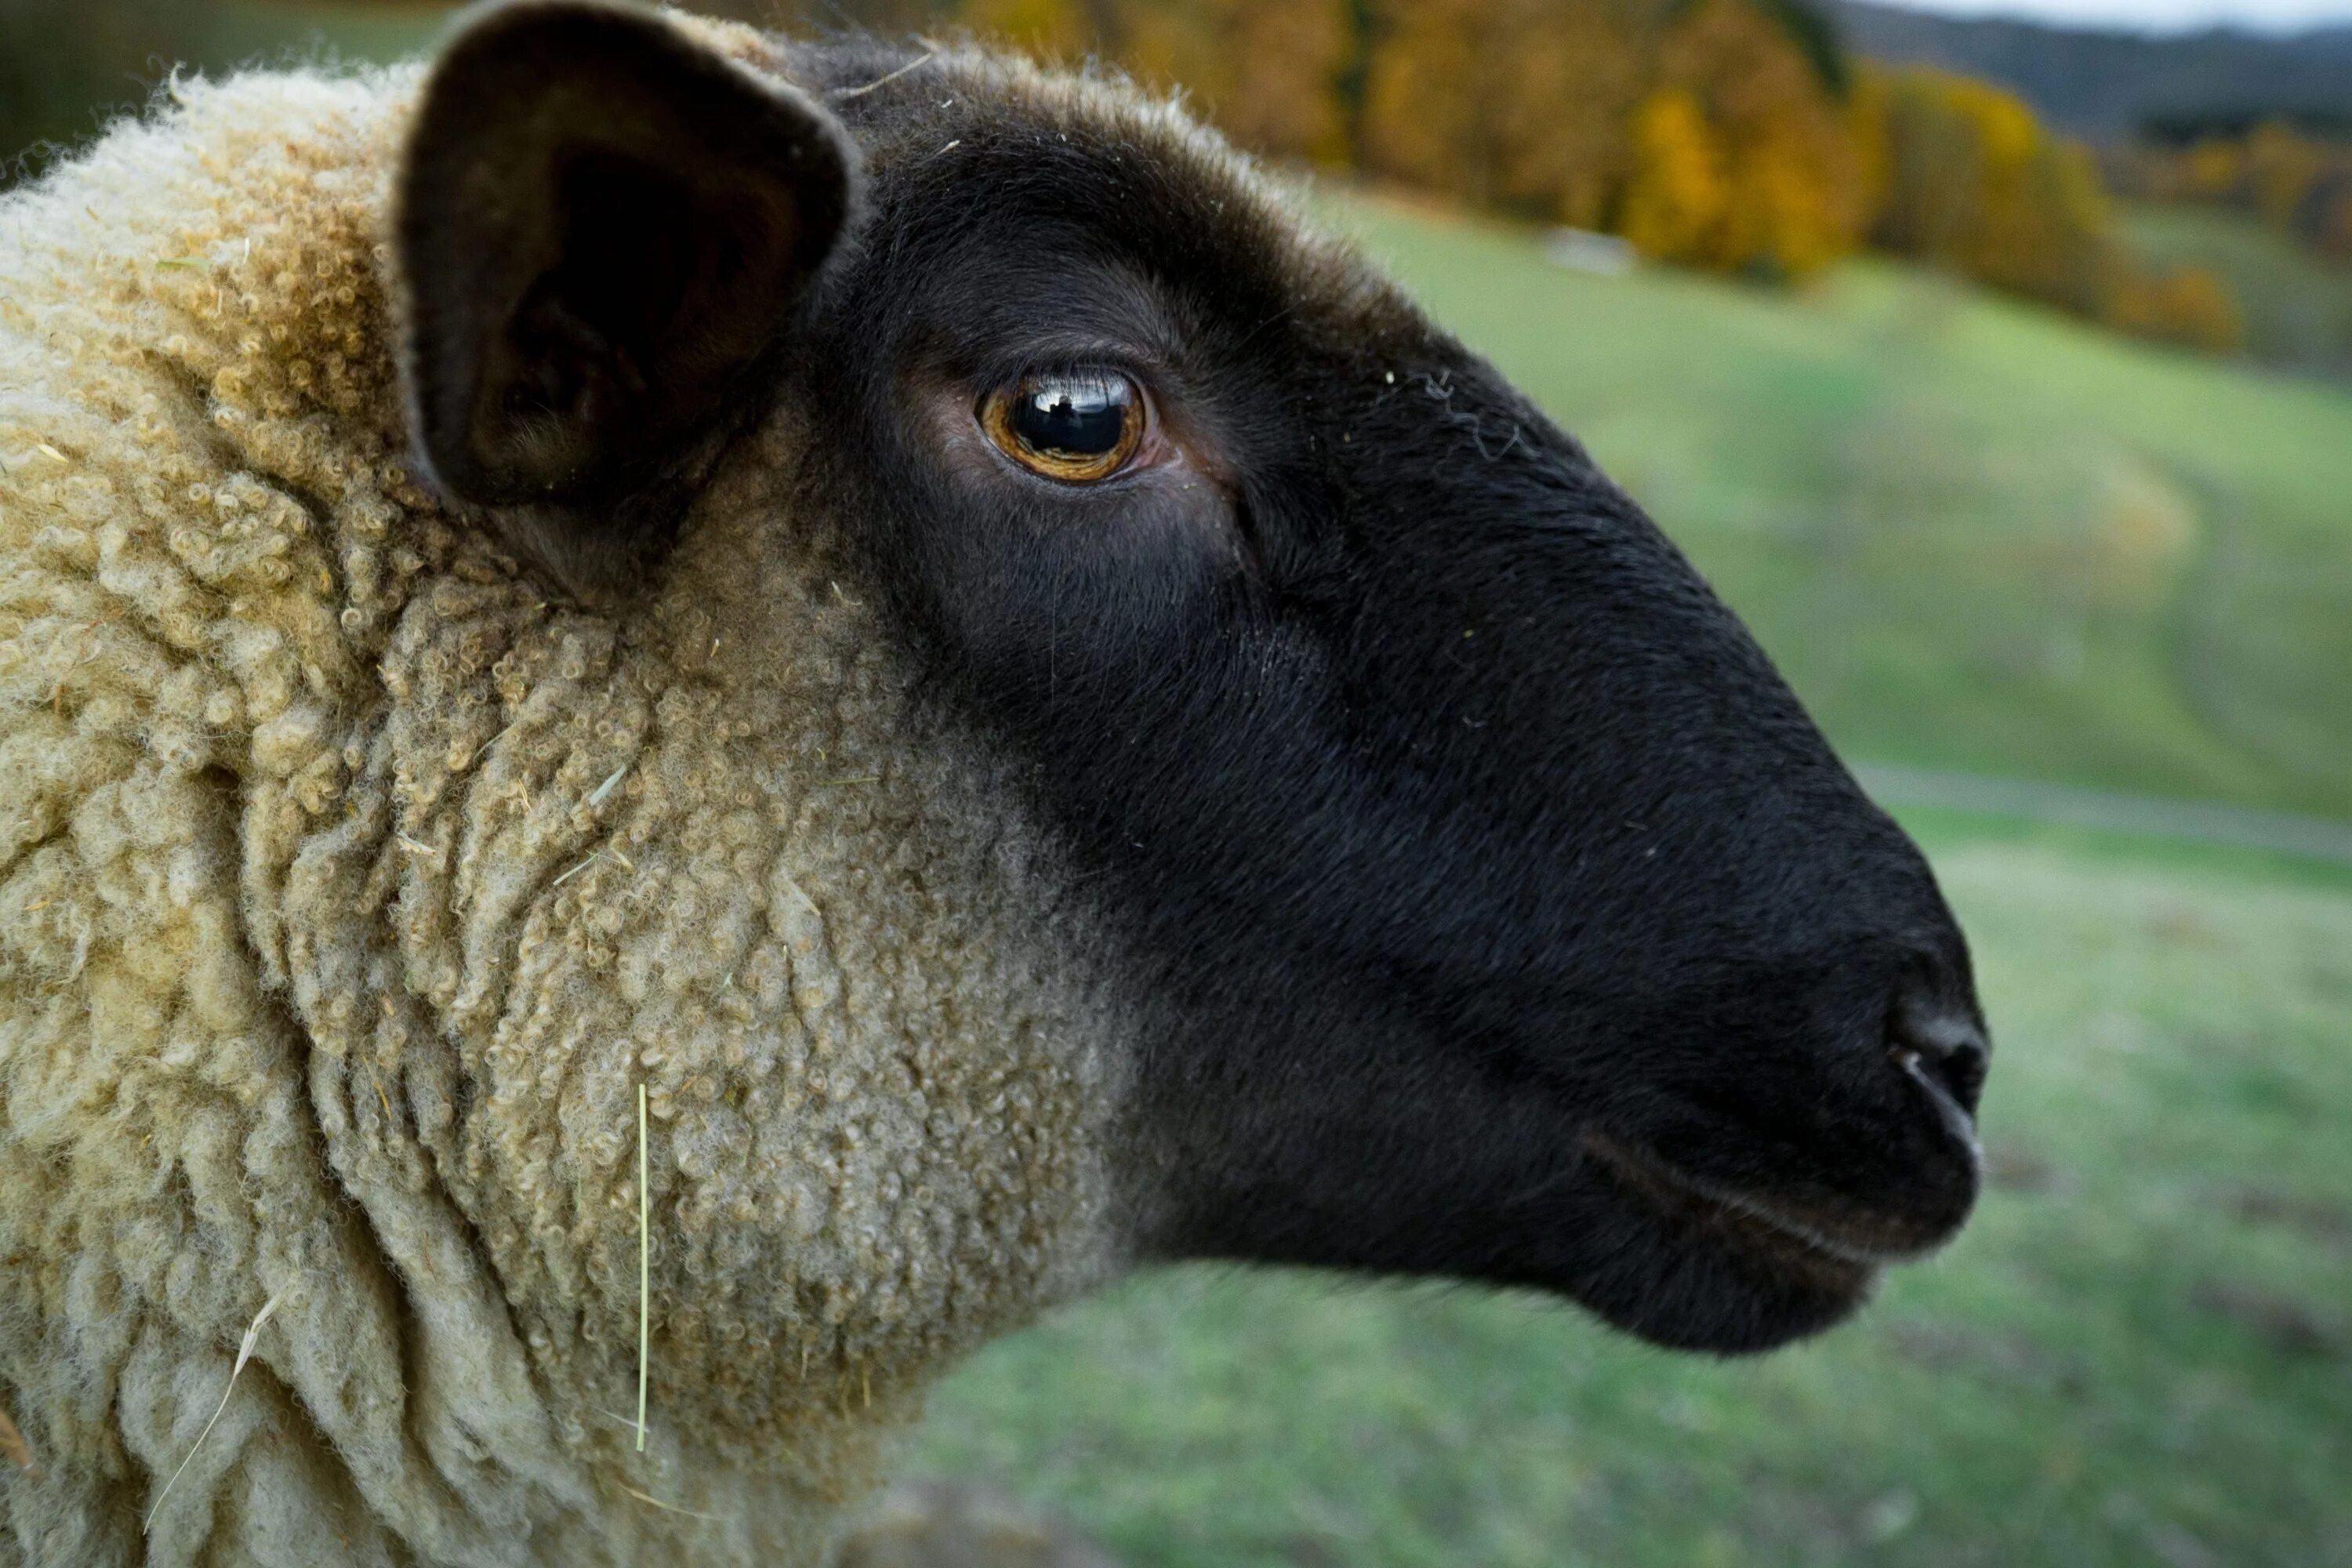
{"x": 1365, "y": 19}
{"x": 1269, "y": 75}
{"x": 2281, "y": 169}
{"x": 2189, "y": 306}
{"x": 1675, "y": 203}
{"x": 1707, "y": 131}
{"x": 1423, "y": 122}
{"x": 2334, "y": 229}
{"x": 1056, "y": 29}
{"x": 2297, "y": 180}
{"x": 1795, "y": 192}
{"x": 1977, "y": 184}
{"x": 1564, "y": 94}
{"x": 1525, "y": 105}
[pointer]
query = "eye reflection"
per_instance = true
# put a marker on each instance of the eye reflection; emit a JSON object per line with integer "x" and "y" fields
{"x": 1078, "y": 427}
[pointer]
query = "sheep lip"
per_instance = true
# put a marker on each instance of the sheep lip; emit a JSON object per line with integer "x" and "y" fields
{"x": 1820, "y": 1250}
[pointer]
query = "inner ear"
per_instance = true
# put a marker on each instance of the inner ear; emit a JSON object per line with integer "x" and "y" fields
{"x": 603, "y": 226}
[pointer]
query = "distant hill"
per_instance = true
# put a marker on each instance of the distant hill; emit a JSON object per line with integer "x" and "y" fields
{"x": 2105, "y": 85}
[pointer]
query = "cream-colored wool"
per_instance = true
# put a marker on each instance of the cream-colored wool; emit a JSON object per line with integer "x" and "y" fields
{"x": 348, "y": 890}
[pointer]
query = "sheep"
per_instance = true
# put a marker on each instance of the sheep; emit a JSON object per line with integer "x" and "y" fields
{"x": 890, "y": 634}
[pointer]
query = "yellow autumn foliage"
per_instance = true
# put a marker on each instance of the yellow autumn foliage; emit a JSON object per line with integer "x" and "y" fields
{"x": 1675, "y": 201}
{"x": 1710, "y": 133}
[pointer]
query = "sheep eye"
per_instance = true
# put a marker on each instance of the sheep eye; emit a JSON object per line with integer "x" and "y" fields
{"x": 1077, "y": 427}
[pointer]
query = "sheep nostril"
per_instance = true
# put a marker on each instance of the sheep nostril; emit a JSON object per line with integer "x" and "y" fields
{"x": 1947, "y": 1057}
{"x": 1934, "y": 1035}
{"x": 1958, "y": 1056}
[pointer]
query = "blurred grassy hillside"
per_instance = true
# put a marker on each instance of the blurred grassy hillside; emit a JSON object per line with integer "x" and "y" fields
{"x": 2298, "y": 308}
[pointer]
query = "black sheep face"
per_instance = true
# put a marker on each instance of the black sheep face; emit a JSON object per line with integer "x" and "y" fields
{"x": 1492, "y": 908}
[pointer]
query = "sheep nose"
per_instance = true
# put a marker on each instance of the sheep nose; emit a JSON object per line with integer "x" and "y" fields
{"x": 1944, "y": 1054}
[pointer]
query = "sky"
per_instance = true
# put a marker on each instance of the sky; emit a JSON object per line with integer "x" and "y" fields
{"x": 2167, "y": 15}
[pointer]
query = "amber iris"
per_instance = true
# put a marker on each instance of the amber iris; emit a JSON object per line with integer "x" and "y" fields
{"x": 1078, "y": 428}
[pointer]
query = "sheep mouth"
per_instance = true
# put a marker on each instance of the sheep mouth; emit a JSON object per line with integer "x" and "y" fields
{"x": 1834, "y": 1255}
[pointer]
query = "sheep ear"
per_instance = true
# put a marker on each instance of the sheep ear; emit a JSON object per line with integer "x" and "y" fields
{"x": 601, "y": 227}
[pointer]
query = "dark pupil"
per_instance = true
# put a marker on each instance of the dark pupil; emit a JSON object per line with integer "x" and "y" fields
{"x": 1084, "y": 416}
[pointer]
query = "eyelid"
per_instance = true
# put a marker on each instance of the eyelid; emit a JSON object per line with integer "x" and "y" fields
{"x": 1069, "y": 355}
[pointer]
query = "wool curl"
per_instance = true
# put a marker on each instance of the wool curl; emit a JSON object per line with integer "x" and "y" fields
{"x": 349, "y": 890}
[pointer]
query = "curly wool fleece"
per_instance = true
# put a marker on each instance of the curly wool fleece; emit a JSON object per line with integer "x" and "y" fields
{"x": 348, "y": 891}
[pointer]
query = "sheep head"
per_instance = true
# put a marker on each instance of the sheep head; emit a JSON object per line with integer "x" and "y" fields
{"x": 1093, "y": 732}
